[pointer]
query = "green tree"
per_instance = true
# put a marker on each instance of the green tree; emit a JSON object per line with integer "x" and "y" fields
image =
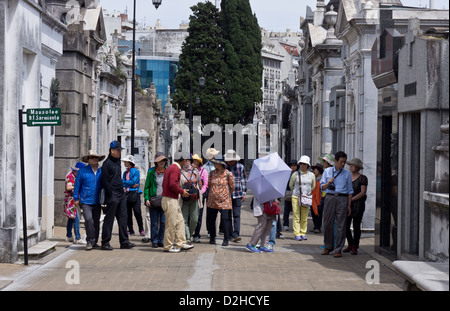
{"x": 202, "y": 55}
{"x": 243, "y": 60}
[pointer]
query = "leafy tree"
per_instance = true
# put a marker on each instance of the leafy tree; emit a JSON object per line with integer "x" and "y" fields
{"x": 243, "y": 60}
{"x": 202, "y": 54}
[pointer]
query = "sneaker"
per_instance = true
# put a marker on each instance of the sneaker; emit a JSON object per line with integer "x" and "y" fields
{"x": 142, "y": 233}
{"x": 69, "y": 239}
{"x": 197, "y": 239}
{"x": 186, "y": 247}
{"x": 317, "y": 231}
{"x": 286, "y": 228}
{"x": 280, "y": 235}
{"x": 298, "y": 238}
{"x": 174, "y": 249}
{"x": 266, "y": 249}
{"x": 80, "y": 242}
{"x": 236, "y": 239}
{"x": 252, "y": 248}
{"x": 304, "y": 238}
{"x": 88, "y": 246}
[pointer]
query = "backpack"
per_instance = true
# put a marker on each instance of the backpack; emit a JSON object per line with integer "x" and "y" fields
{"x": 271, "y": 208}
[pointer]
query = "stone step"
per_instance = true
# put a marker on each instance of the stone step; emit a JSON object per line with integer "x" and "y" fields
{"x": 40, "y": 249}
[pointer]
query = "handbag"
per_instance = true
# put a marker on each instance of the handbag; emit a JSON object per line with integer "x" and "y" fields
{"x": 132, "y": 197}
{"x": 305, "y": 199}
{"x": 70, "y": 210}
{"x": 192, "y": 190}
{"x": 155, "y": 202}
{"x": 271, "y": 208}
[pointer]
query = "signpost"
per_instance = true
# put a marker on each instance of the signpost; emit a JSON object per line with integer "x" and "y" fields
{"x": 44, "y": 117}
{"x": 35, "y": 117}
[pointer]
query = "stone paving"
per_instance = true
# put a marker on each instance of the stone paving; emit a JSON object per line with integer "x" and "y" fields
{"x": 294, "y": 266}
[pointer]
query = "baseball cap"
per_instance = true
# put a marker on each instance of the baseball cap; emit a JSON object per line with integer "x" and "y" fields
{"x": 116, "y": 145}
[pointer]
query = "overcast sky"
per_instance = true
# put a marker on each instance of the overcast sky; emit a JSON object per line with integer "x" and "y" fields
{"x": 276, "y": 15}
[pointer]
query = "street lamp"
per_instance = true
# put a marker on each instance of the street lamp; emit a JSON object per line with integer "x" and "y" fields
{"x": 156, "y": 3}
{"x": 201, "y": 81}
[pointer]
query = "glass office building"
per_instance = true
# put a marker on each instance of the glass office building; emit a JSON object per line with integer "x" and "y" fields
{"x": 159, "y": 70}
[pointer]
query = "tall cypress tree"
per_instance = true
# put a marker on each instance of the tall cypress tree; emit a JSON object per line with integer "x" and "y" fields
{"x": 243, "y": 60}
{"x": 202, "y": 55}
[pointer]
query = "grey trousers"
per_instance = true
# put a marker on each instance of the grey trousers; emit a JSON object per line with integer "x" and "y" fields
{"x": 335, "y": 207}
{"x": 91, "y": 215}
{"x": 262, "y": 230}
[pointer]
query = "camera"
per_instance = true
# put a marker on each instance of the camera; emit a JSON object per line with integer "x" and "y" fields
{"x": 332, "y": 187}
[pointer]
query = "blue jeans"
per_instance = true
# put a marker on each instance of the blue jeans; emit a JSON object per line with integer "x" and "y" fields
{"x": 75, "y": 224}
{"x": 158, "y": 224}
{"x": 273, "y": 232}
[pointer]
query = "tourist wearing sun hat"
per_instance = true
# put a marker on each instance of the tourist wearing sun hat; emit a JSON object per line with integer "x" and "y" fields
{"x": 155, "y": 218}
{"x": 221, "y": 185}
{"x": 327, "y": 161}
{"x": 197, "y": 162}
{"x": 86, "y": 194}
{"x": 358, "y": 205}
{"x": 92, "y": 154}
{"x": 211, "y": 153}
{"x": 131, "y": 179}
{"x": 70, "y": 210}
{"x": 301, "y": 182}
{"x": 240, "y": 181}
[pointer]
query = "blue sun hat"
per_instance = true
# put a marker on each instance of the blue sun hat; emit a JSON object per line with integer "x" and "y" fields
{"x": 218, "y": 160}
{"x": 78, "y": 166}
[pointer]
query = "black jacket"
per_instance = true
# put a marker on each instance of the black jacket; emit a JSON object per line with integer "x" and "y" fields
{"x": 112, "y": 178}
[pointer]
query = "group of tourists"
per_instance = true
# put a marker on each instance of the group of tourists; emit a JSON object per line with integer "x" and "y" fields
{"x": 89, "y": 186}
{"x": 336, "y": 200}
{"x": 175, "y": 197}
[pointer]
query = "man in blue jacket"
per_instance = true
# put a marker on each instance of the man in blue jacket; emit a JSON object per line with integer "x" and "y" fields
{"x": 86, "y": 194}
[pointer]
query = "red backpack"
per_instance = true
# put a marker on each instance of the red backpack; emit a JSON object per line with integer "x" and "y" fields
{"x": 271, "y": 208}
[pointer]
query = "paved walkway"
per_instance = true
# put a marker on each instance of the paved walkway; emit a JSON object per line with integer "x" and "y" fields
{"x": 294, "y": 266}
